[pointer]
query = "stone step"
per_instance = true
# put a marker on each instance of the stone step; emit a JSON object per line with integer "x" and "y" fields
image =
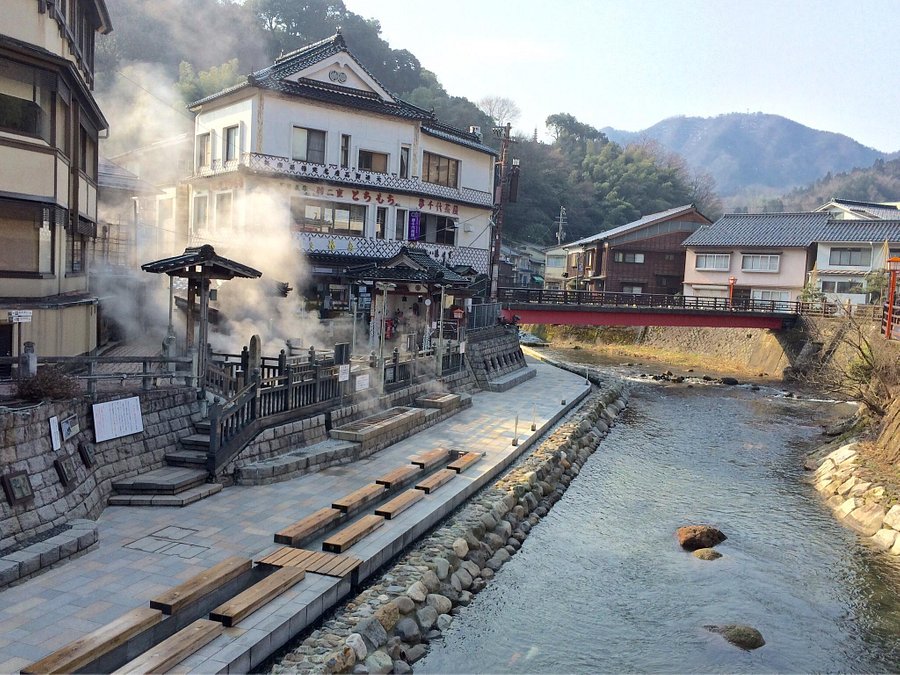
{"x": 186, "y": 458}
{"x": 169, "y": 480}
{"x": 194, "y": 442}
{"x": 202, "y": 427}
{"x": 183, "y": 498}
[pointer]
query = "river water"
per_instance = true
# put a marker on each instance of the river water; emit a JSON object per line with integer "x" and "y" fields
{"x": 601, "y": 585}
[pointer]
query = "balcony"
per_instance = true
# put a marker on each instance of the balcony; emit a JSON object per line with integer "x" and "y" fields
{"x": 338, "y": 244}
{"x": 336, "y": 175}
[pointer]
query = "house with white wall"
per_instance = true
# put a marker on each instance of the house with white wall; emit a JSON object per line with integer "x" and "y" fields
{"x": 760, "y": 256}
{"x": 555, "y": 268}
{"x": 849, "y": 250}
{"x": 315, "y": 145}
{"x": 851, "y": 209}
{"x": 49, "y": 127}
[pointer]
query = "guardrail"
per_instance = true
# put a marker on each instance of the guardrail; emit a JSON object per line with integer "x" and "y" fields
{"x": 90, "y": 371}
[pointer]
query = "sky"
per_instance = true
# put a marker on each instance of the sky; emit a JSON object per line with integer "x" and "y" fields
{"x": 829, "y": 64}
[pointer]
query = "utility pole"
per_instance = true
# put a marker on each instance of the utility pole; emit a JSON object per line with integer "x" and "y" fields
{"x": 500, "y": 202}
{"x": 561, "y": 225}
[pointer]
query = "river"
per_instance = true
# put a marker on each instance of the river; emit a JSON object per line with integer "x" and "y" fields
{"x": 601, "y": 585}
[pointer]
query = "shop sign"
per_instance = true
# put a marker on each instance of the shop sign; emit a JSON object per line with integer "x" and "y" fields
{"x": 344, "y": 372}
{"x": 415, "y": 225}
{"x": 440, "y": 207}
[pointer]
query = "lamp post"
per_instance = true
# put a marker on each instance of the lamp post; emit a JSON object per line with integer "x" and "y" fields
{"x": 731, "y": 282}
{"x": 440, "y": 345}
{"x": 894, "y": 267}
{"x": 384, "y": 287}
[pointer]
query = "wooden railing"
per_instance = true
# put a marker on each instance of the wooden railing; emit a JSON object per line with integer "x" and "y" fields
{"x": 90, "y": 371}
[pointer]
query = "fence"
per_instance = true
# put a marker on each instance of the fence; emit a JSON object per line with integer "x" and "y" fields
{"x": 483, "y": 316}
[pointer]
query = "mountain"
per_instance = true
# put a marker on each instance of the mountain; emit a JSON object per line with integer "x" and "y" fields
{"x": 755, "y": 152}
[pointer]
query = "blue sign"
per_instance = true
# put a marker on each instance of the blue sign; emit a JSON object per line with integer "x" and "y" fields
{"x": 415, "y": 225}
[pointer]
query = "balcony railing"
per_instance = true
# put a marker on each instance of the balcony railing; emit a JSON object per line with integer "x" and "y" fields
{"x": 347, "y": 176}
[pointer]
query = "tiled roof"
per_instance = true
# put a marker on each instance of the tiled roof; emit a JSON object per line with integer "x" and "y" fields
{"x": 634, "y": 225}
{"x": 868, "y": 210}
{"x": 448, "y": 133}
{"x": 113, "y": 176}
{"x": 861, "y": 231}
{"x": 426, "y": 270}
{"x": 785, "y": 230}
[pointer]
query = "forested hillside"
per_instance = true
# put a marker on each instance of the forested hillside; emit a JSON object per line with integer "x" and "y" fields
{"x": 879, "y": 183}
{"x": 755, "y": 153}
{"x": 160, "y": 57}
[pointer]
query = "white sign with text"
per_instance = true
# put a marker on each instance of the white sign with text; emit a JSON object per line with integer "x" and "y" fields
{"x": 117, "y": 418}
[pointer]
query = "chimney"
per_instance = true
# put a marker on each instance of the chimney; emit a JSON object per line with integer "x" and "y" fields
{"x": 476, "y": 131}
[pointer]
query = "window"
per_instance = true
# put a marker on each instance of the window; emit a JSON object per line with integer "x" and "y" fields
{"x": 634, "y": 289}
{"x": 330, "y": 217}
{"x": 380, "y": 222}
{"x": 400, "y": 225}
{"x": 25, "y": 99}
{"x": 621, "y": 256}
{"x": 223, "y": 210}
{"x": 231, "y": 143}
{"x": 440, "y": 170}
{"x": 88, "y": 151}
{"x": 760, "y": 263}
{"x": 669, "y": 257}
{"x": 308, "y": 145}
{"x": 404, "y": 161}
{"x": 74, "y": 253}
{"x": 63, "y": 127}
{"x": 204, "y": 150}
{"x": 842, "y": 287}
{"x": 777, "y": 296}
{"x": 373, "y": 161}
{"x": 445, "y": 232}
{"x": 345, "y": 150}
{"x": 713, "y": 261}
{"x": 858, "y": 257}
{"x": 201, "y": 206}
{"x": 557, "y": 261}
{"x": 26, "y": 235}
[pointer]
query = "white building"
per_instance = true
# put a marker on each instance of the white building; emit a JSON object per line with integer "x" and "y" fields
{"x": 315, "y": 143}
{"x": 555, "y": 275}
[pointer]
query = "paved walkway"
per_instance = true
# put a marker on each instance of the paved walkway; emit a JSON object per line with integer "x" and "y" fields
{"x": 144, "y": 551}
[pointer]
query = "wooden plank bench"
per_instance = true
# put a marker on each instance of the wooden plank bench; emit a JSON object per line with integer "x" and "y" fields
{"x": 399, "y": 475}
{"x": 430, "y": 459}
{"x": 330, "y": 564}
{"x": 293, "y": 534}
{"x": 435, "y": 480}
{"x": 260, "y": 593}
{"x": 77, "y": 654}
{"x": 175, "y": 649}
{"x": 175, "y": 599}
{"x": 341, "y": 541}
{"x": 463, "y": 462}
{"x": 399, "y": 503}
{"x": 359, "y": 498}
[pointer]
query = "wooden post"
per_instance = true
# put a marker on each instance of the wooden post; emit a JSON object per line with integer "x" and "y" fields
{"x": 215, "y": 413}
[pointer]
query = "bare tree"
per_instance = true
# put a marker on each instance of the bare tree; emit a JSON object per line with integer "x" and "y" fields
{"x": 500, "y": 109}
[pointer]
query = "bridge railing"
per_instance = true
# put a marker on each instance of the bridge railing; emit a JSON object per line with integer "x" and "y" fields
{"x": 644, "y": 300}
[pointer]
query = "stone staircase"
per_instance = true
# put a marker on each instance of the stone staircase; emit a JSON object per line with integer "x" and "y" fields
{"x": 180, "y": 483}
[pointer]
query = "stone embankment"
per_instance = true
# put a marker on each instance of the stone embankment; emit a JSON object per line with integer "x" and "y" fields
{"x": 859, "y": 503}
{"x": 387, "y": 627}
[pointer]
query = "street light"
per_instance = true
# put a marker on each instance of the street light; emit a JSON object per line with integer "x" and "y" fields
{"x": 440, "y": 345}
{"x": 385, "y": 287}
{"x": 731, "y": 283}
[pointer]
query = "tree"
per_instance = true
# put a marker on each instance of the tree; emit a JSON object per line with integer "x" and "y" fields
{"x": 575, "y": 138}
{"x": 500, "y": 109}
{"x": 193, "y": 86}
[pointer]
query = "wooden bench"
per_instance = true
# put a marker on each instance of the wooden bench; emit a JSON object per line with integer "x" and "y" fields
{"x": 329, "y": 564}
{"x": 257, "y": 595}
{"x": 430, "y": 459}
{"x": 399, "y": 475}
{"x": 95, "y": 644}
{"x": 359, "y": 498}
{"x": 294, "y": 534}
{"x": 341, "y": 541}
{"x": 175, "y": 599}
{"x": 463, "y": 462}
{"x": 174, "y": 650}
{"x": 435, "y": 480}
{"x": 399, "y": 503}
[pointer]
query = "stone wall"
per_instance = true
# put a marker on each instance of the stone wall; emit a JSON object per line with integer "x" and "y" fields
{"x": 25, "y": 445}
{"x": 493, "y": 353}
{"x": 386, "y": 627}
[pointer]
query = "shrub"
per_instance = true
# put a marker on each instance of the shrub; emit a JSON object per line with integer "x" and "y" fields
{"x": 50, "y": 383}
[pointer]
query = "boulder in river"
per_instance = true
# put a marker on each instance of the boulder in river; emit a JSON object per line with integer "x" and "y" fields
{"x": 707, "y": 554}
{"x": 745, "y": 637}
{"x": 729, "y": 380}
{"x": 693, "y": 537}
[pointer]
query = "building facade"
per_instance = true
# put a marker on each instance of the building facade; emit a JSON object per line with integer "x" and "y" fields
{"x": 644, "y": 256}
{"x": 49, "y": 128}
{"x": 315, "y": 145}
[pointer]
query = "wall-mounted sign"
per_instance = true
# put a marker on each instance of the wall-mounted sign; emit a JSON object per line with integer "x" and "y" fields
{"x": 19, "y": 316}
{"x": 69, "y": 427}
{"x": 117, "y": 418}
{"x": 415, "y": 225}
{"x": 344, "y": 372}
{"x": 55, "y": 438}
{"x": 362, "y": 382}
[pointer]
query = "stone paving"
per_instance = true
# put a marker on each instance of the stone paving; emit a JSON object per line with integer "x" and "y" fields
{"x": 143, "y": 550}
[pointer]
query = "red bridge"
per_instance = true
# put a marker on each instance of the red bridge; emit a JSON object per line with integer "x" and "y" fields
{"x": 586, "y": 308}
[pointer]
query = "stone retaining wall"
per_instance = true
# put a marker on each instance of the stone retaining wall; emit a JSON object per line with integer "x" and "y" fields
{"x": 25, "y": 445}
{"x": 859, "y": 504}
{"x": 495, "y": 353}
{"x": 386, "y": 627}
